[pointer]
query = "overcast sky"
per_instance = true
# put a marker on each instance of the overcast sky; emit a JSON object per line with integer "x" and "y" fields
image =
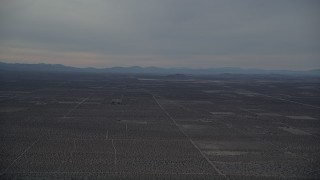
{"x": 270, "y": 34}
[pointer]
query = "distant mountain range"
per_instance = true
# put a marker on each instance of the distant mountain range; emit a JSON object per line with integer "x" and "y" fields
{"x": 147, "y": 70}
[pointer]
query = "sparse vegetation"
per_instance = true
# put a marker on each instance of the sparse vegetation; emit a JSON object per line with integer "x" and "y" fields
{"x": 64, "y": 126}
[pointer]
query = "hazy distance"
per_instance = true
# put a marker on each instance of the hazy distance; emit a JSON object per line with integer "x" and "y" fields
{"x": 168, "y": 33}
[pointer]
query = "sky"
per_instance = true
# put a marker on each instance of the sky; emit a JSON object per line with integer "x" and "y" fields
{"x": 268, "y": 34}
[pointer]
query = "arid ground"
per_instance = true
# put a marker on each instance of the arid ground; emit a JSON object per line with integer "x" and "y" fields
{"x": 64, "y": 125}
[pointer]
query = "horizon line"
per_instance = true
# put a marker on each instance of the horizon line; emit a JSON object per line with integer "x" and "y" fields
{"x": 189, "y": 68}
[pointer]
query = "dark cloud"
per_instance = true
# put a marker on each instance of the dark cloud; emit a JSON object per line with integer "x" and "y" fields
{"x": 165, "y": 33}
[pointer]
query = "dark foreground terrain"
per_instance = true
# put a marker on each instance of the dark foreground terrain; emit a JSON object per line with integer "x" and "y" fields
{"x": 58, "y": 125}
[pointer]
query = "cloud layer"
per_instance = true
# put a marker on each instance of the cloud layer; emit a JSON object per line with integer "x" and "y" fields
{"x": 168, "y": 33}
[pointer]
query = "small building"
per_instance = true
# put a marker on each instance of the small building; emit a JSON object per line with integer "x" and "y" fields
{"x": 116, "y": 101}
